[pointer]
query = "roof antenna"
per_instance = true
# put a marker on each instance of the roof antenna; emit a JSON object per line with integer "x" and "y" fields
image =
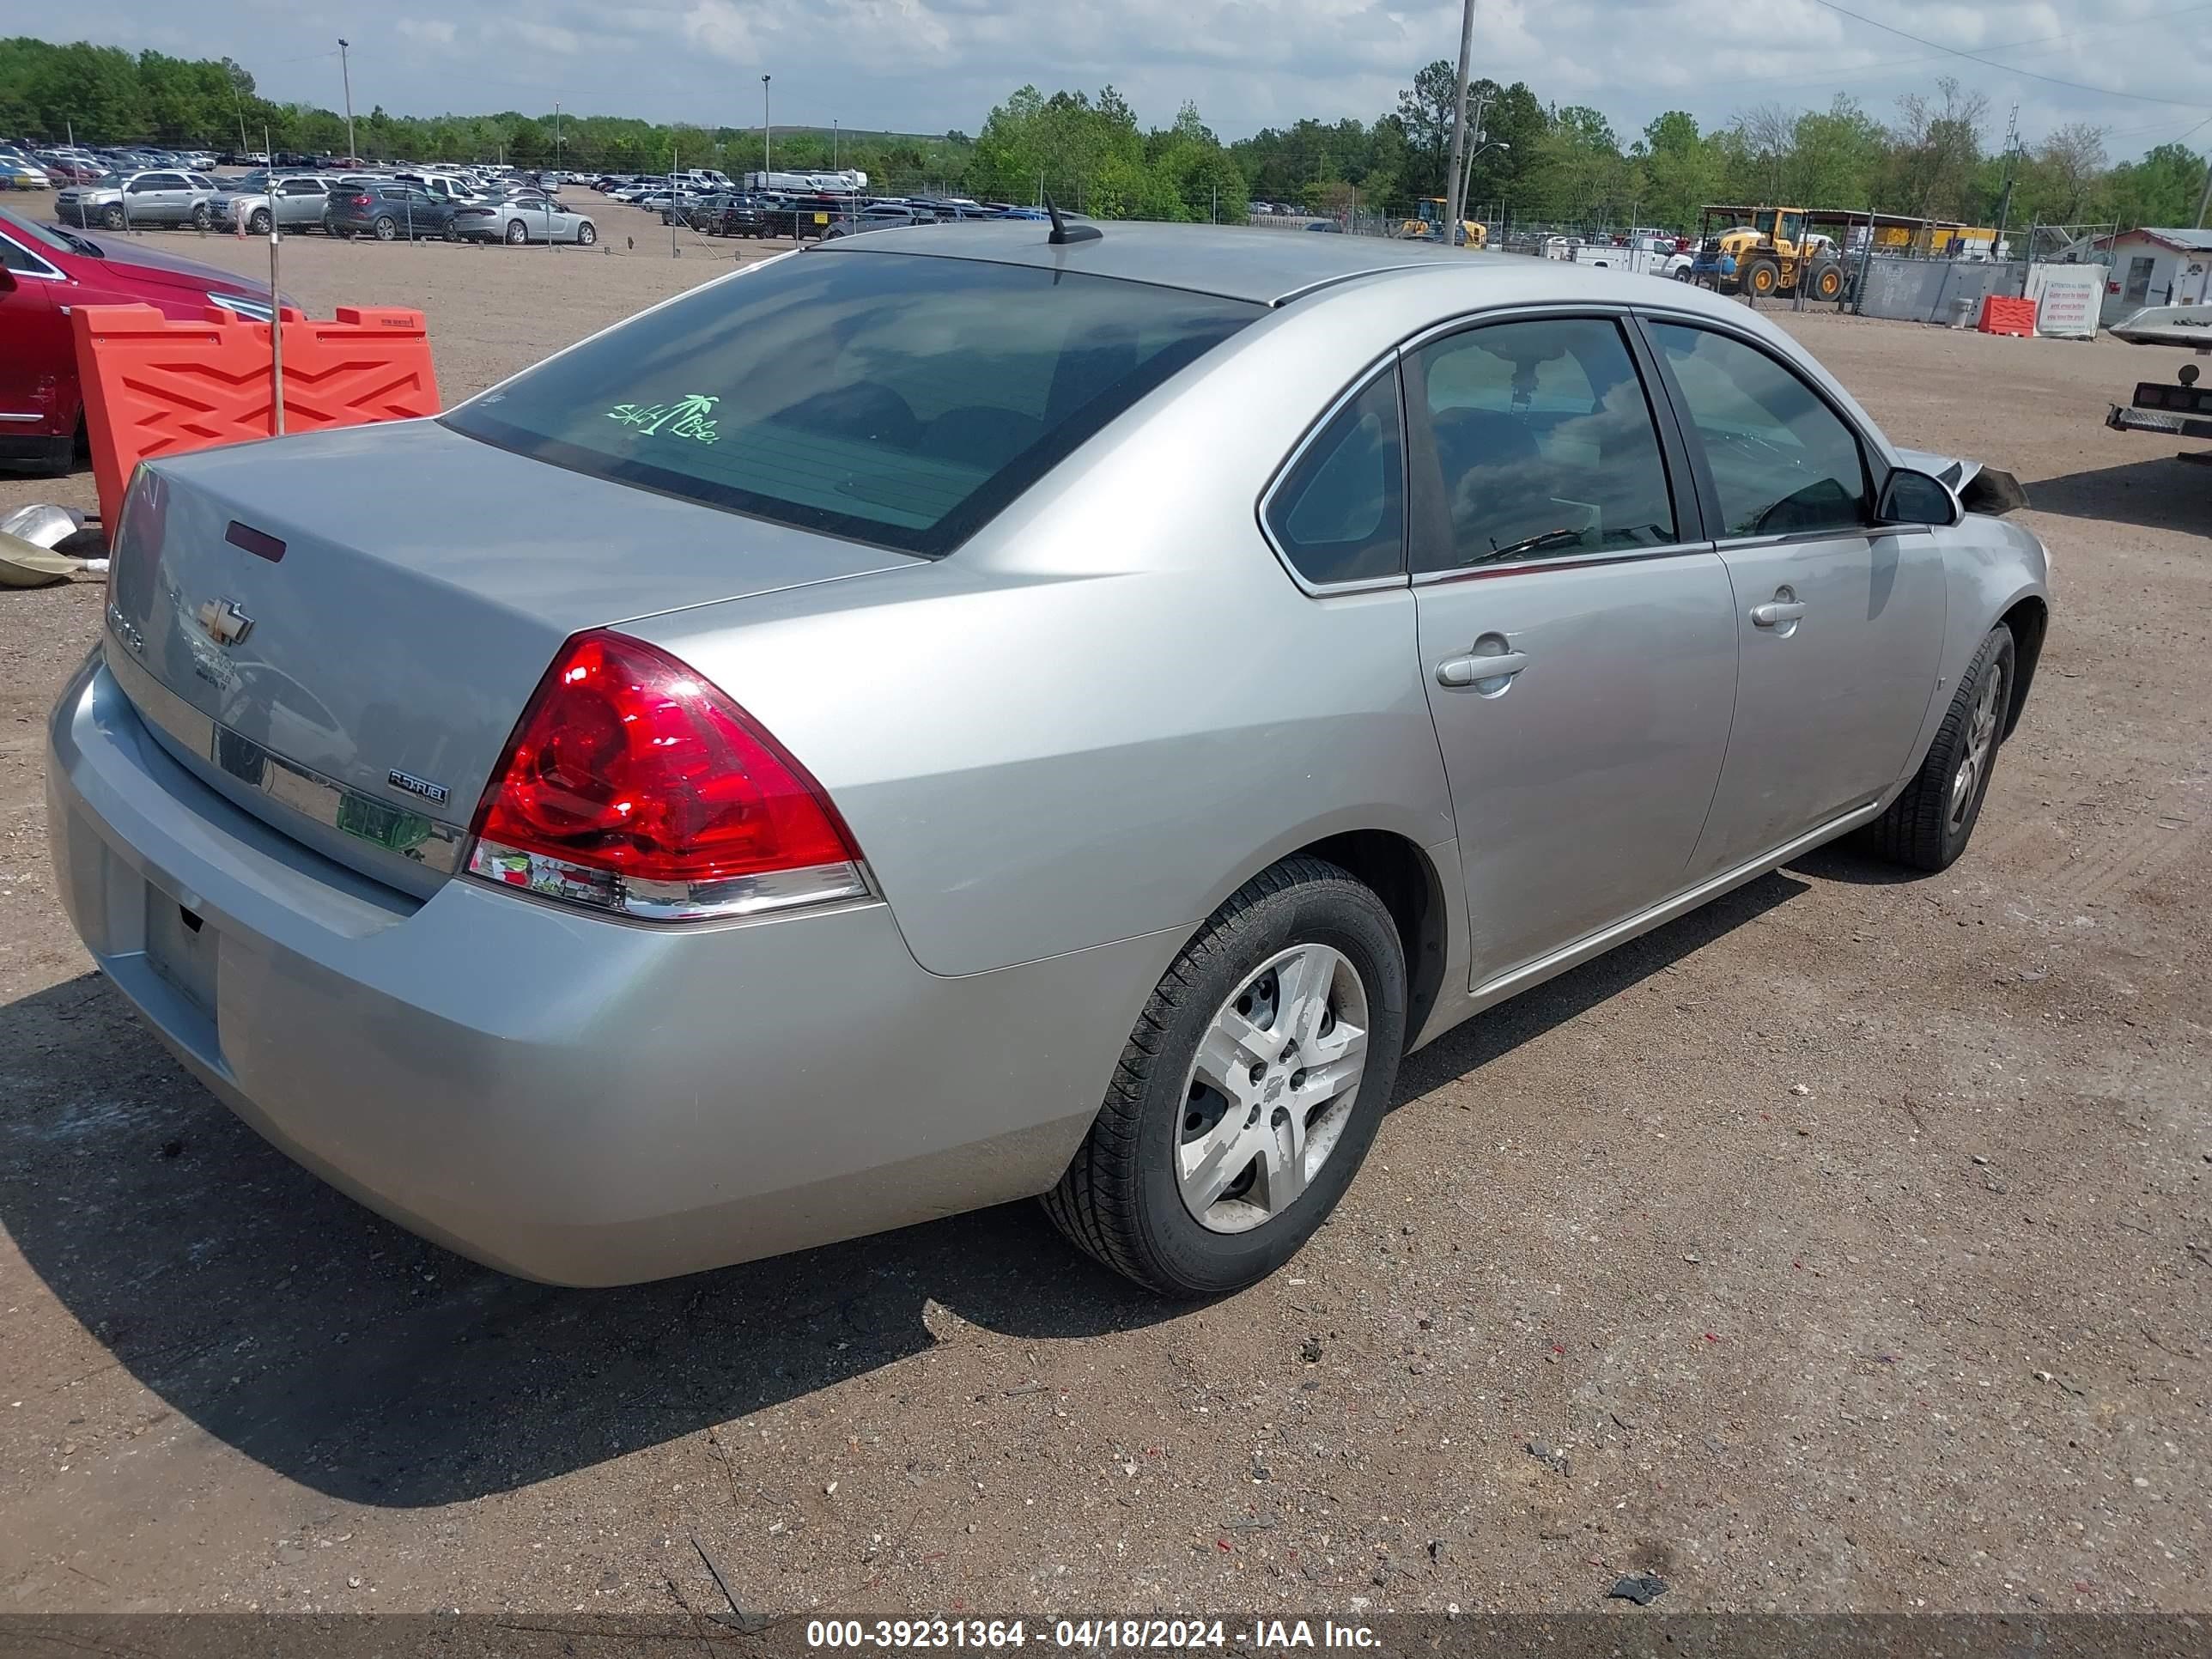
{"x": 1063, "y": 232}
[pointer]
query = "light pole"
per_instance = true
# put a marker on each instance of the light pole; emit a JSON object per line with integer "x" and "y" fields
{"x": 766, "y": 166}
{"x": 1466, "y": 184}
{"x": 346, "y": 72}
{"x": 556, "y": 137}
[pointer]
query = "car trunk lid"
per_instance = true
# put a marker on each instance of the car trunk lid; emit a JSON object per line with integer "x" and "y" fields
{"x": 340, "y": 632}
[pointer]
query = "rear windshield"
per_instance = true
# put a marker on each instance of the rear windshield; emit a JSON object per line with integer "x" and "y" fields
{"x": 897, "y": 399}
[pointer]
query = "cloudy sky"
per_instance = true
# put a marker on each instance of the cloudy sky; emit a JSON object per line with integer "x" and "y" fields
{"x": 2140, "y": 66}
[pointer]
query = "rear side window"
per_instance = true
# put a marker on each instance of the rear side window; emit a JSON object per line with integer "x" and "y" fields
{"x": 1339, "y": 515}
{"x": 896, "y": 399}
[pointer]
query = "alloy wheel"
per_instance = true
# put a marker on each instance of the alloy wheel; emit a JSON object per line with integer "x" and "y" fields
{"x": 1981, "y": 746}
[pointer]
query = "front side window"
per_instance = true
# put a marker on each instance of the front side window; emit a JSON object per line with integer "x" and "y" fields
{"x": 1783, "y": 461}
{"x": 1544, "y": 443}
{"x": 1339, "y": 514}
{"x": 897, "y": 399}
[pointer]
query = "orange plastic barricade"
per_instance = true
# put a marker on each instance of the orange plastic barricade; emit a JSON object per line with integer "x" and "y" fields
{"x": 154, "y": 385}
{"x": 2002, "y": 316}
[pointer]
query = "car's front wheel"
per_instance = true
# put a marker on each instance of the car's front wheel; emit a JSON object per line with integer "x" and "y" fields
{"x": 202, "y": 218}
{"x": 1250, "y": 1090}
{"x": 113, "y": 218}
{"x": 586, "y": 235}
{"x": 1927, "y": 826}
{"x": 259, "y": 222}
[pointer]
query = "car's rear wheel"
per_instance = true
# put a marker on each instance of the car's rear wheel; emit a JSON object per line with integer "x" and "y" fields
{"x": 385, "y": 227}
{"x": 1929, "y": 825}
{"x": 113, "y": 218}
{"x": 1250, "y": 1090}
{"x": 517, "y": 232}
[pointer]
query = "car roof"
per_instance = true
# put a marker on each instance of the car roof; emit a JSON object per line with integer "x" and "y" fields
{"x": 1268, "y": 267}
{"x": 1235, "y": 261}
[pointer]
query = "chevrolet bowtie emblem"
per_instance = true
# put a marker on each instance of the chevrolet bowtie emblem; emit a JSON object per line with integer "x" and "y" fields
{"x": 224, "y": 623}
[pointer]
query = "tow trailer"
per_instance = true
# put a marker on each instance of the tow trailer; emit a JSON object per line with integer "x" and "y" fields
{"x": 2182, "y": 409}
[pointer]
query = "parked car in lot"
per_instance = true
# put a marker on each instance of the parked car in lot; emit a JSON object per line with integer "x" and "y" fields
{"x": 46, "y": 272}
{"x": 20, "y": 171}
{"x": 776, "y": 773}
{"x": 741, "y": 215}
{"x": 300, "y": 202}
{"x": 389, "y": 212}
{"x": 527, "y": 219}
{"x": 122, "y": 201}
{"x": 880, "y": 215}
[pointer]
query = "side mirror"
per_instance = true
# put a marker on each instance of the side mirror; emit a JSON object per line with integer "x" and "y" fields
{"x": 1910, "y": 497}
{"x": 7, "y": 280}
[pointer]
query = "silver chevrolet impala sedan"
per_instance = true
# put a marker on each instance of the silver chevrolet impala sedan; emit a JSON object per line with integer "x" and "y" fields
{"x": 986, "y": 710}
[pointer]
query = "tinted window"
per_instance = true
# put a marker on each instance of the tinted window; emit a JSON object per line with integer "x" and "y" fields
{"x": 1783, "y": 461}
{"x": 201, "y": 181}
{"x": 303, "y": 187}
{"x": 15, "y": 259}
{"x": 1339, "y": 514}
{"x": 1544, "y": 443}
{"x": 895, "y": 399}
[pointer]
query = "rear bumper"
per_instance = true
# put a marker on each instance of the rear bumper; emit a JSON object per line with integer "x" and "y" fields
{"x": 568, "y": 1098}
{"x": 2122, "y": 418}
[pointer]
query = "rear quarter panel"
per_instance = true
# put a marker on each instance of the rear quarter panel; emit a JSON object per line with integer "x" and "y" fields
{"x": 1112, "y": 707}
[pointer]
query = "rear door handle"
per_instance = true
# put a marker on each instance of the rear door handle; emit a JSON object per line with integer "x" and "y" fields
{"x": 1774, "y": 615}
{"x": 1466, "y": 671}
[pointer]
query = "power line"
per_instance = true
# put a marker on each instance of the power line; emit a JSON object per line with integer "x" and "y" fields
{"x": 1865, "y": 70}
{"x": 2053, "y": 80}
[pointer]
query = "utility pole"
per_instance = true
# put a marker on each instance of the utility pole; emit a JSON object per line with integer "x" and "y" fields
{"x": 833, "y": 144}
{"x": 557, "y": 146}
{"x": 2004, "y": 202}
{"x": 1453, "y": 186}
{"x": 346, "y": 72}
{"x": 2204, "y": 201}
{"x": 767, "y": 165}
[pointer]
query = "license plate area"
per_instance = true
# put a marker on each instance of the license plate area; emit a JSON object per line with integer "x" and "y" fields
{"x": 182, "y": 948}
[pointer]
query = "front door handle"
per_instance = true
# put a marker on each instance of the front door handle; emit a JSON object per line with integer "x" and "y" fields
{"x": 1779, "y": 612}
{"x": 1469, "y": 670}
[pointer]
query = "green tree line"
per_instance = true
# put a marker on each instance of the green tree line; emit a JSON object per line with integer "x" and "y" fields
{"x": 1566, "y": 163}
{"x": 1931, "y": 156}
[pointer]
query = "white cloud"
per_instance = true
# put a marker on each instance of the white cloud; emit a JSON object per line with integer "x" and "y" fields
{"x": 926, "y": 66}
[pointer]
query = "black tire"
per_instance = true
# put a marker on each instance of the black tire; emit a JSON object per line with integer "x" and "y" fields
{"x": 1921, "y": 829}
{"x": 1120, "y": 1200}
{"x": 587, "y": 234}
{"x": 202, "y": 218}
{"x": 517, "y": 232}
{"x": 1824, "y": 281}
{"x": 111, "y": 218}
{"x": 1686, "y": 274}
{"x": 386, "y": 227}
{"x": 257, "y": 223}
{"x": 1760, "y": 277}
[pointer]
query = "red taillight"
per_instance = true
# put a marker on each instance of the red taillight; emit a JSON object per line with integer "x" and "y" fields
{"x": 634, "y": 784}
{"x": 357, "y": 201}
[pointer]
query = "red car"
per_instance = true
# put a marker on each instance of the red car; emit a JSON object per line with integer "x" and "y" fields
{"x": 45, "y": 272}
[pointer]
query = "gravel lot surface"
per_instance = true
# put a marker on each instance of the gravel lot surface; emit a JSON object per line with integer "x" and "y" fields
{"x": 1844, "y": 1245}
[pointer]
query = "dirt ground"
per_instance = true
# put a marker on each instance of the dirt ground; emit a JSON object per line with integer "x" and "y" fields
{"x": 1844, "y": 1245}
